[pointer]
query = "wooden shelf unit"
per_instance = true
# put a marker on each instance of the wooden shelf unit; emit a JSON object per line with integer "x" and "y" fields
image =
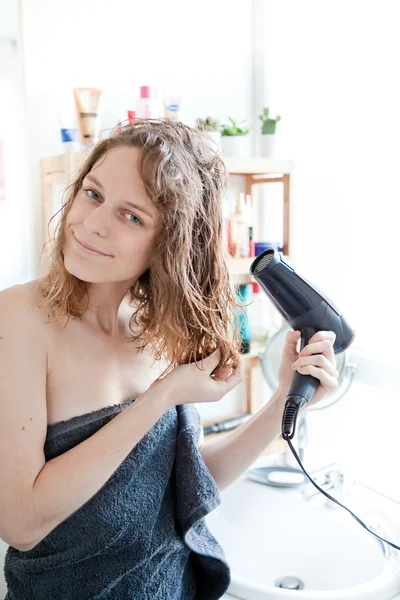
{"x": 61, "y": 169}
{"x": 266, "y": 170}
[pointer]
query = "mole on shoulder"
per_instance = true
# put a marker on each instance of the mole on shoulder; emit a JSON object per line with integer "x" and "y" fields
{"x": 23, "y": 428}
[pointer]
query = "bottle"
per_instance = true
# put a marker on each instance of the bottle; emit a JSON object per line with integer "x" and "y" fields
{"x": 251, "y": 242}
{"x": 173, "y": 109}
{"x": 239, "y": 230}
{"x": 146, "y": 107}
{"x": 226, "y": 226}
{"x": 250, "y": 222}
{"x": 244, "y": 293}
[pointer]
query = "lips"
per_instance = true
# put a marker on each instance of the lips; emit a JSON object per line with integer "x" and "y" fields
{"x": 89, "y": 247}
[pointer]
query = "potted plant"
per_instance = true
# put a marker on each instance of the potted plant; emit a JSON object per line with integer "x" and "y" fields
{"x": 235, "y": 139}
{"x": 211, "y": 127}
{"x": 268, "y": 133}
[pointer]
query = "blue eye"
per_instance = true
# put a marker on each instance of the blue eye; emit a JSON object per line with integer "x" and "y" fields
{"x": 93, "y": 192}
{"x": 90, "y": 191}
{"x": 138, "y": 220}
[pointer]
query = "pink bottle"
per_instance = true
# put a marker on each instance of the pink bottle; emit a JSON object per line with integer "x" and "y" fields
{"x": 146, "y": 107}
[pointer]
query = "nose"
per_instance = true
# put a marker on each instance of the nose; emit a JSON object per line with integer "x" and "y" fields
{"x": 99, "y": 221}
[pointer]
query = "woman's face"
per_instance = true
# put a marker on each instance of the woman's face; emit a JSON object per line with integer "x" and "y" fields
{"x": 102, "y": 216}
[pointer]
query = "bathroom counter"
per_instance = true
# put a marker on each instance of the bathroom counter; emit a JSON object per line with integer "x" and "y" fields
{"x": 229, "y": 597}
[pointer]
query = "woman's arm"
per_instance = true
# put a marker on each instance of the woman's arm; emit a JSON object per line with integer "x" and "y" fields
{"x": 230, "y": 456}
{"x": 35, "y": 495}
{"x": 68, "y": 481}
{"x": 227, "y": 458}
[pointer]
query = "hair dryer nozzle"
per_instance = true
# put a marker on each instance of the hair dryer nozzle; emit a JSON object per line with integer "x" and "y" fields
{"x": 301, "y": 303}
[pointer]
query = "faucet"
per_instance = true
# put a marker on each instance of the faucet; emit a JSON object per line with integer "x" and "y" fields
{"x": 302, "y": 434}
{"x": 330, "y": 478}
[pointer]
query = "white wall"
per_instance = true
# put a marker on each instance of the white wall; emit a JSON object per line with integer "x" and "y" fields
{"x": 15, "y": 236}
{"x": 330, "y": 72}
{"x": 8, "y": 19}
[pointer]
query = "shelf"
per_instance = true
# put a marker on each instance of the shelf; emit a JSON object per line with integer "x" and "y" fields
{"x": 64, "y": 164}
{"x": 62, "y": 167}
{"x": 241, "y": 266}
{"x": 253, "y": 165}
{"x": 251, "y": 359}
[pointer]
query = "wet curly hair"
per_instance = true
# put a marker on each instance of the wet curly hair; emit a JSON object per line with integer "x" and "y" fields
{"x": 185, "y": 303}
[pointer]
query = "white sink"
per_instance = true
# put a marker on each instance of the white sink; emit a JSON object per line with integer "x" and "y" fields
{"x": 269, "y": 532}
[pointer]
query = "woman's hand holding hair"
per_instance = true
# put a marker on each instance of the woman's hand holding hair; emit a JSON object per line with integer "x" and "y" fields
{"x": 201, "y": 382}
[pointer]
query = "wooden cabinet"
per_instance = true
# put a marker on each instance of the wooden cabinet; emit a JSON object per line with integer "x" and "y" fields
{"x": 58, "y": 171}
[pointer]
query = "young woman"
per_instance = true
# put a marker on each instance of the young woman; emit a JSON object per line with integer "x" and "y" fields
{"x": 105, "y": 480}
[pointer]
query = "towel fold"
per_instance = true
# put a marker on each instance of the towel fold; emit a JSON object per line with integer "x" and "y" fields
{"x": 142, "y": 536}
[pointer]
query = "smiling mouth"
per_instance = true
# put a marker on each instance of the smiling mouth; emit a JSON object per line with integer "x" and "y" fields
{"x": 90, "y": 249}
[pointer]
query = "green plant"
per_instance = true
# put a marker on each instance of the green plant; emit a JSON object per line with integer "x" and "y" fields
{"x": 268, "y": 125}
{"x": 208, "y": 124}
{"x": 234, "y": 129}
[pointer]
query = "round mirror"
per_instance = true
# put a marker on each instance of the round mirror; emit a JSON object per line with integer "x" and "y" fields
{"x": 271, "y": 356}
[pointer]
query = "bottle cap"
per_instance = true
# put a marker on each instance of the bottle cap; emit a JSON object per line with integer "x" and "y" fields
{"x": 69, "y": 135}
{"x": 145, "y": 91}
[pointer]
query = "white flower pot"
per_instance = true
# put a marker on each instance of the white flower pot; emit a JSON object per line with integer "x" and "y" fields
{"x": 268, "y": 143}
{"x": 215, "y": 140}
{"x": 236, "y": 145}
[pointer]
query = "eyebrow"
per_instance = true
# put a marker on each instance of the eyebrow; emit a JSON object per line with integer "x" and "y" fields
{"x": 131, "y": 204}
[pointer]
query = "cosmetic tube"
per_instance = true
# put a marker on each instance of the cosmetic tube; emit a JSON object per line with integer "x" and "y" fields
{"x": 88, "y": 102}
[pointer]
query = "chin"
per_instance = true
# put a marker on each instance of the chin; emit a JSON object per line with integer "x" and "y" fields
{"x": 78, "y": 271}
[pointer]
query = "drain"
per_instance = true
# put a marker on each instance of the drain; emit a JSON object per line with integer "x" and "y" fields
{"x": 289, "y": 583}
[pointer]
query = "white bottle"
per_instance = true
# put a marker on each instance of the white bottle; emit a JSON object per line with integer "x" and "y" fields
{"x": 239, "y": 229}
{"x": 146, "y": 107}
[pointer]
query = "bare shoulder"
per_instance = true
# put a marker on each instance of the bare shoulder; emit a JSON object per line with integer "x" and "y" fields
{"x": 14, "y": 296}
{"x": 24, "y": 292}
{"x": 22, "y": 301}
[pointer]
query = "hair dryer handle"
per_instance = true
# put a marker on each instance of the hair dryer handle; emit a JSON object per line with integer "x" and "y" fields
{"x": 304, "y": 386}
{"x": 301, "y": 391}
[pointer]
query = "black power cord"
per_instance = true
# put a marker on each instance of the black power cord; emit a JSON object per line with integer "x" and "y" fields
{"x": 288, "y": 429}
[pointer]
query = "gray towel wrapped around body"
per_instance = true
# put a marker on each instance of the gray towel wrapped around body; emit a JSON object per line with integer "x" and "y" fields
{"x": 142, "y": 536}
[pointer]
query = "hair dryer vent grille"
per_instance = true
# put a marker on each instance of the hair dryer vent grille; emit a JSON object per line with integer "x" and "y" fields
{"x": 263, "y": 262}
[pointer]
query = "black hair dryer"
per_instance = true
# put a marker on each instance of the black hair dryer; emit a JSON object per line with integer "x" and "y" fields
{"x": 305, "y": 308}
